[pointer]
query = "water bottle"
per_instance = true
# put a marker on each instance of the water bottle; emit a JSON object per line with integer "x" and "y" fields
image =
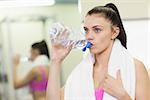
{"x": 58, "y": 29}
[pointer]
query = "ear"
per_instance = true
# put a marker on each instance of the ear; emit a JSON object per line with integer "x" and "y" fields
{"x": 115, "y": 32}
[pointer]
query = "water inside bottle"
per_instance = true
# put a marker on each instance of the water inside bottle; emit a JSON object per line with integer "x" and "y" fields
{"x": 57, "y": 29}
{"x": 75, "y": 44}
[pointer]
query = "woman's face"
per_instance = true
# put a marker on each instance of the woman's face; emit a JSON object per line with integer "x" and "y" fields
{"x": 99, "y": 32}
{"x": 34, "y": 54}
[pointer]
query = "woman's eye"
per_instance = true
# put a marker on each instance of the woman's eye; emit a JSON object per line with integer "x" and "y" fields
{"x": 97, "y": 30}
{"x": 85, "y": 30}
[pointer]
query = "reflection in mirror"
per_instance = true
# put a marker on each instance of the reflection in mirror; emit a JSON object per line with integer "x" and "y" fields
{"x": 23, "y": 59}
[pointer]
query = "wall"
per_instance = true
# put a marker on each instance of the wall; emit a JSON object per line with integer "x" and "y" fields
{"x": 138, "y": 39}
{"x": 129, "y": 9}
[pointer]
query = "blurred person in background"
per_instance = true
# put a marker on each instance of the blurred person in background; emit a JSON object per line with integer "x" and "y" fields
{"x": 37, "y": 77}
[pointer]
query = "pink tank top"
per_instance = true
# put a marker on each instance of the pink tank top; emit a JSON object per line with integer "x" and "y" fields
{"x": 99, "y": 94}
{"x": 40, "y": 85}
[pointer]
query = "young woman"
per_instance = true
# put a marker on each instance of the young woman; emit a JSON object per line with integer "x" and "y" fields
{"x": 38, "y": 76}
{"x": 113, "y": 73}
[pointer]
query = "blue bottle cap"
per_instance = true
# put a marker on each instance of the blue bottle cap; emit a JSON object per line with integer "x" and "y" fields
{"x": 88, "y": 45}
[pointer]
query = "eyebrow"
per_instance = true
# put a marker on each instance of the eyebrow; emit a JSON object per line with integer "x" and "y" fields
{"x": 94, "y": 26}
{"x": 97, "y": 26}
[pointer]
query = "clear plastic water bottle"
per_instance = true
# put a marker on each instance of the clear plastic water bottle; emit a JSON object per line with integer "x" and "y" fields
{"x": 57, "y": 30}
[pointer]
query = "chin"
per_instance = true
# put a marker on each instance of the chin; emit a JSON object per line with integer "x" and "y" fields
{"x": 94, "y": 51}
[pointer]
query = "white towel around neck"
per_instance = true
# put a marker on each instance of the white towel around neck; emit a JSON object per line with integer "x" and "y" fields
{"x": 41, "y": 60}
{"x": 80, "y": 85}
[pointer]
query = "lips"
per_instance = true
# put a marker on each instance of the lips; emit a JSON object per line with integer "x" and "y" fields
{"x": 91, "y": 44}
{"x": 88, "y": 45}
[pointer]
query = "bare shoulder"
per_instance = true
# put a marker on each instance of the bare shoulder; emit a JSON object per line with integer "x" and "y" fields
{"x": 141, "y": 72}
{"x": 142, "y": 81}
{"x": 138, "y": 62}
{"x": 35, "y": 70}
{"x": 140, "y": 68}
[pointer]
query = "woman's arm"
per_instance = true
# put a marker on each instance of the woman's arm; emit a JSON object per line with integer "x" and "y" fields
{"x": 142, "y": 82}
{"x": 58, "y": 54}
{"x": 62, "y": 93}
{"x": 53, "y": 88}
{"x": 22, "y": 82}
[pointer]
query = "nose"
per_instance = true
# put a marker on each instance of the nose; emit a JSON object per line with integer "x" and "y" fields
{"x": 89, "y": 36}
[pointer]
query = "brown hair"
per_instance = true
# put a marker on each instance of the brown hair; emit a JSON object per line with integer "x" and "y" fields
{"x": 110, "y": 12}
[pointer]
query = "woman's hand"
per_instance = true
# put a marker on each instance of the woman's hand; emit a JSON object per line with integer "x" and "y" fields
{"x": 58, "y": 51}
{"x": 16, "y": 60}
{"x": 115, "y": 87}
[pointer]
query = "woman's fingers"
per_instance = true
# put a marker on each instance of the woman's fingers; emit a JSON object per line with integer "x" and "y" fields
{"x": 16, "y": 59}
{"x": 63, "y": 34}
{"x": 119, "y": 76}
{"x": 113, "y": 86}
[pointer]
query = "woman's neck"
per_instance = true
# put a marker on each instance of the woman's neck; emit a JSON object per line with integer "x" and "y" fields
{"x": 102, "y": 59}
